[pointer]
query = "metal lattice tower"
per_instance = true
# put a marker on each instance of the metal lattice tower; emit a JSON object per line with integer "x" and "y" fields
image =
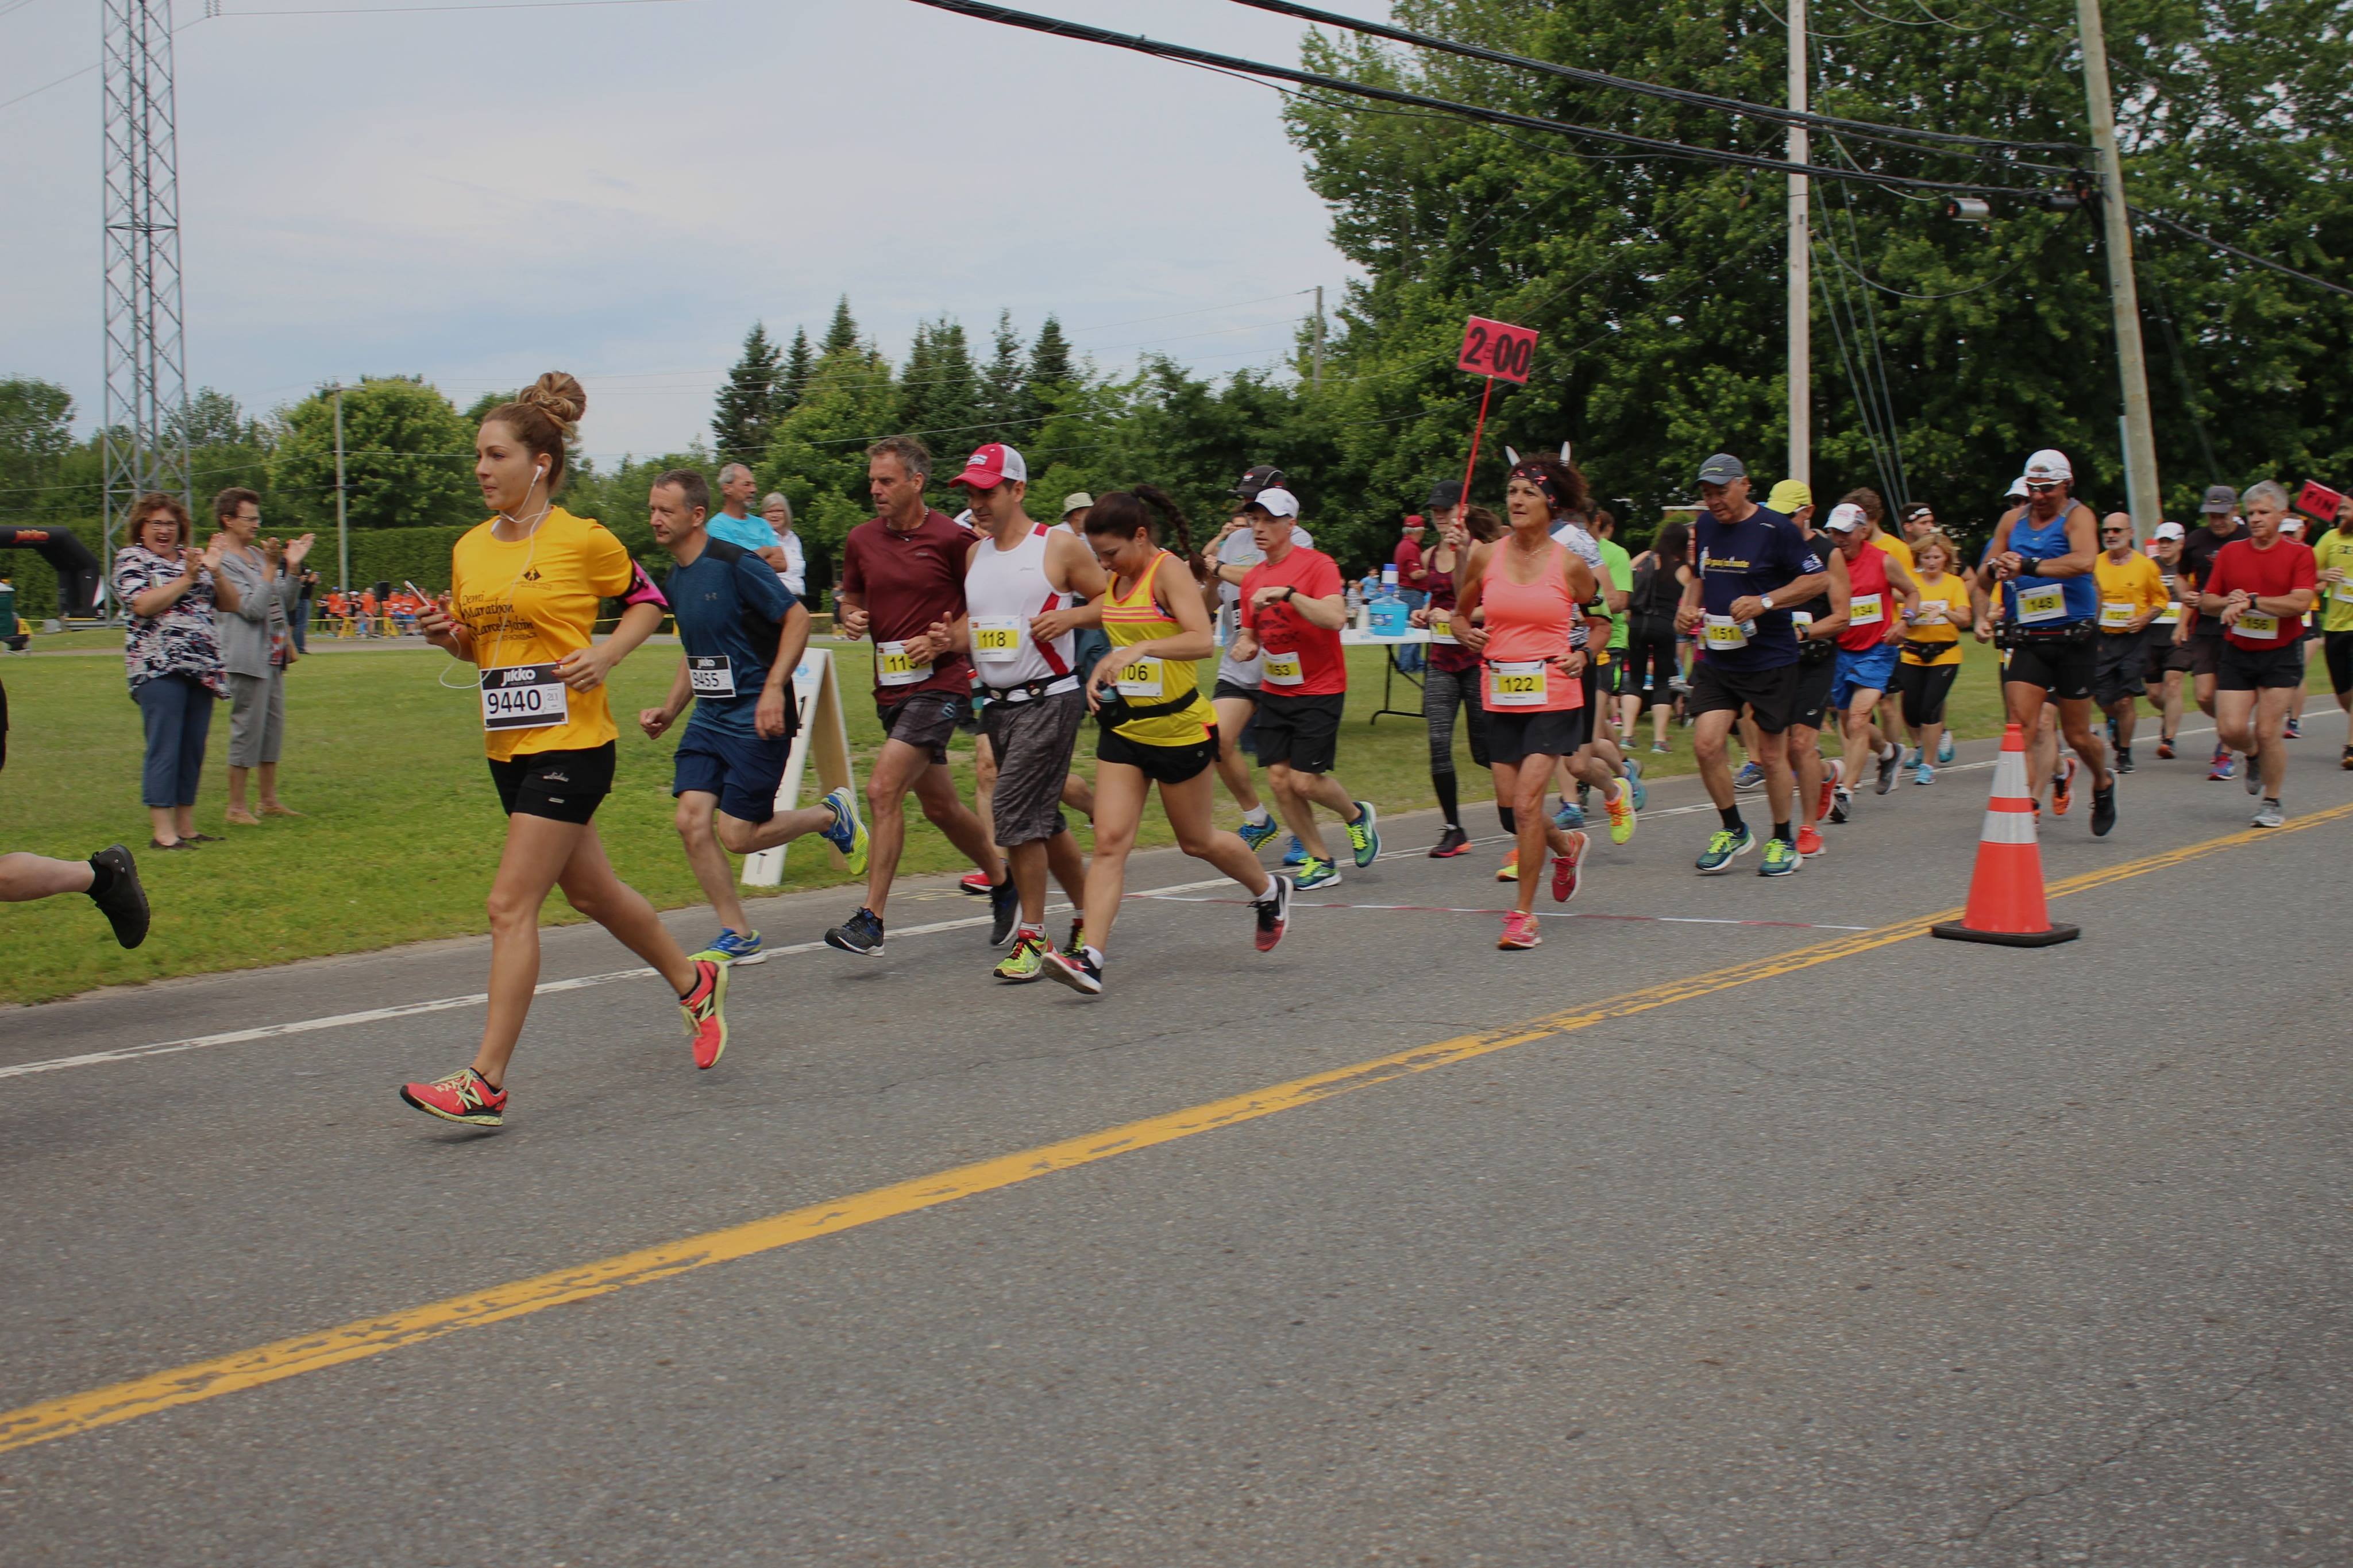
{"x": 143, "y": 427}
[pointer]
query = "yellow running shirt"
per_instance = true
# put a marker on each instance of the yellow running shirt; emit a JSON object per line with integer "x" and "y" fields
{"x": 1951, "y": 595}
{"x": 2128, "y": 589}
{"x": 1135, "y": 616}
{"x": 2335, "y": 547}
{"x": 1895, "y": 547}
{"x": 533, "y": 601}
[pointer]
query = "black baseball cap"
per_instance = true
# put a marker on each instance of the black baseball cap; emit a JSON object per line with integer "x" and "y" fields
{"x": 1722, "y": 469}
{"x": 1265, "y": 475}
{"x": 1445, "y": 495}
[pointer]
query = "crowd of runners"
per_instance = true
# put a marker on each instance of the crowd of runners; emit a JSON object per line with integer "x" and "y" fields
{"x": 1202, "y": 662}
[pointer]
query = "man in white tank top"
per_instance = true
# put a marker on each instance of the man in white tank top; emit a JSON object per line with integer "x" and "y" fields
{"x": 1020, "y": 580}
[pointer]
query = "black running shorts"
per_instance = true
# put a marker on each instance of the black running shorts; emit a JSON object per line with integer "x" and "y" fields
{"x": 1770, "y": 694}
{"x": 2337, "y": 647}
{"x": 1161, "y": 764}
{"x": 1303, "y": 731}
{"x": 2060, "y": 665}
{"x": 2253, "y": 668}
{"x": 563, "y": 787}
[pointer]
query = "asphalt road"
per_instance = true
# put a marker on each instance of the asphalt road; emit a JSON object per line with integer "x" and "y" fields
{"x": 1737, "y": 1225}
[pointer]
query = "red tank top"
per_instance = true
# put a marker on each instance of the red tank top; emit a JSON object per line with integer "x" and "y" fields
{"x": 1870, "y": 606}
{"x": 1528, "y": 626}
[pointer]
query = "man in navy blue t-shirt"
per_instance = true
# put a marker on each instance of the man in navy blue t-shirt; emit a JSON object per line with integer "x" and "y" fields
{"x": 1752, "y": 565}
{"x": 744, "y": 634}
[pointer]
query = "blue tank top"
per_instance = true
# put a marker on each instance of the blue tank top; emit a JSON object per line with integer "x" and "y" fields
{"x": 2079, "y": 597}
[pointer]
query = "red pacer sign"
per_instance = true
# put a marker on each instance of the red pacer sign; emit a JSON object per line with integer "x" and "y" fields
{"x": 2318, "y": 501}
{"x": 1496, "y": 349}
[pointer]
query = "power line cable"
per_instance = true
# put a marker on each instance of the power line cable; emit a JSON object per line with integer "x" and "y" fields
{"x": 2265, "y": 261}
{"x": 1776, "y": 113}
{"x": 1183, "y": 53}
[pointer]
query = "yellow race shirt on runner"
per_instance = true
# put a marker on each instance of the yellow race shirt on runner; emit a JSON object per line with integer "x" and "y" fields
{"x": 532, "y": 601}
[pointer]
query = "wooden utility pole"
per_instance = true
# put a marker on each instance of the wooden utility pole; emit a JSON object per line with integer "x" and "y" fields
{"x": 2143, "y": 499}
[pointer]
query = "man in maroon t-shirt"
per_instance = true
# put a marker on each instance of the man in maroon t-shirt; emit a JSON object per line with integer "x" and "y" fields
{"x": 902, "y": 574}
{"x": 1293, "y": 608}
{"x": 2259, "y": 588}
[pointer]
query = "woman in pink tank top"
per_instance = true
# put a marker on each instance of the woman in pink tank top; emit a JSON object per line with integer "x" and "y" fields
{"x": 1517, "y": 600}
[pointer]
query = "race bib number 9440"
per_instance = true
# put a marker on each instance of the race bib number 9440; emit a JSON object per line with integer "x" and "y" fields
{"x": 524, "y": 697}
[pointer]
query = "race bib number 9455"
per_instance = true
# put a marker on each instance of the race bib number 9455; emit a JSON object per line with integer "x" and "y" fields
{"x": 524, "y": 697}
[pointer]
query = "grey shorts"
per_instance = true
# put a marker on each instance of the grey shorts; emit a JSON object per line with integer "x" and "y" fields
{"x": 927, "y": 721}
{"x": 1033, "y": 741}
{"x": 257, "y": 719}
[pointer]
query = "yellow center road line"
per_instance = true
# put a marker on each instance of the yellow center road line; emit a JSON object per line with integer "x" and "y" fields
{"x": 199, "y": 1381}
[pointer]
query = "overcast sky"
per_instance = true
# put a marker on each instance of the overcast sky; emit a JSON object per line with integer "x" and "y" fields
{"x": 479, "y": 192}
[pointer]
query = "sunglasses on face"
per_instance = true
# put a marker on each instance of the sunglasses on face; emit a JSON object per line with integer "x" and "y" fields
{"x": 2040, "y": 490}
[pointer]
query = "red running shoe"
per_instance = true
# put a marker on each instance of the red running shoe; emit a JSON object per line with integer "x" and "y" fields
{"x": 2165, "y": 750}
{"x": 705, "y": 1007}
{"x": 464, "y": 1096}
{"x": 1833, "y": 770}
{"x": 2062, "y": 787}
{"x": 1564, "y": 869}
{"x": 973, "y": 882}
{"x": 1519, "y": 932}
{"x": 1810, "y": 843}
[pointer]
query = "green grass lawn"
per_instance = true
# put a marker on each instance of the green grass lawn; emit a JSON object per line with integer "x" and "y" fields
{"x": 403, "y": 830}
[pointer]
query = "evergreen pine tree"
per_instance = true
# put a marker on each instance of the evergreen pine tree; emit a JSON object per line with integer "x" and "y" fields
{"x": 917, "y": 378}
{"x": 940, "y": 395}
{"x": 746, "y": 411}
{"x": 793, "y": 379}
{"x": 842, "y": 336}
{"x": 1001, "y": 383}
{"x": 1051, "y": 369}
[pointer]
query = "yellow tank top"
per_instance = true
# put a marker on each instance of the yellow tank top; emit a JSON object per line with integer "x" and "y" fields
{"x": 1134, "y": 618}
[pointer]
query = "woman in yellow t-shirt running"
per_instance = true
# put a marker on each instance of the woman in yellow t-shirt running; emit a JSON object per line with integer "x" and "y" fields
{"x": 524, "y": 592}
{"x": 1930, "y": 654}
{"x": 1157, "y": 725}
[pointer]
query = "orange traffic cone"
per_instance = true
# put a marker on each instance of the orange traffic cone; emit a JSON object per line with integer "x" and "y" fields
{"x": 2006, "y": 904}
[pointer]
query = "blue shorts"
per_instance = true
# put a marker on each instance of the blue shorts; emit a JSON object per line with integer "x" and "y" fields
{"x": 743, "y": 771}
{"x": 1873, "y": 669}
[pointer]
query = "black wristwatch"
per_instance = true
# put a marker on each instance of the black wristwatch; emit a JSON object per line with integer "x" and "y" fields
{"x": 1289, "y": 593}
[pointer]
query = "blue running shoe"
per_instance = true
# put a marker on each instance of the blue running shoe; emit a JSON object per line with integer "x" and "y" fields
{"x": 847, "y": 833}
{"x": 1750, "y": 776}
{"x": 1257, "y": 833}
{"x": 1634, "y": 777}
{"x": 1945, "y": 748}
{"x": 1295, "y": 853}
{"x": 1913, "y": 759}
{"x": 730, "y": 947}
{"x": 1570, "y": 814}
{"x": 1315, "y": 873}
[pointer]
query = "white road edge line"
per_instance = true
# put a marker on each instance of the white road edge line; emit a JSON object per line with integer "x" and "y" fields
{"x": 582, "y": 983}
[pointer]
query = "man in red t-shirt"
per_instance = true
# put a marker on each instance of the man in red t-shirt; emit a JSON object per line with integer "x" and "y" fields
{"x": 1293, "y": 608}
{"x": 902, "y": 573}
{"x": 2259, "y": 588}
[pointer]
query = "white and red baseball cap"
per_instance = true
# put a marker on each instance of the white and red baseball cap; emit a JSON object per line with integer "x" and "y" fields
{"x": 991, "y": 466}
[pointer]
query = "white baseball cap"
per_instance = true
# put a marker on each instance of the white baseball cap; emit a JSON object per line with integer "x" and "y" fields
{"x": 2048, "y": 466}
{"x": 1845, "y": 518}
{"x": 2169, "y": 531}
{"x": 1275, "y": 501}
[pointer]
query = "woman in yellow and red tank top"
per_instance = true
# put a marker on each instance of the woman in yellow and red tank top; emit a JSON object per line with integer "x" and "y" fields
{"x": 1531, "y": 683}
{"x": 1158, "y": 727}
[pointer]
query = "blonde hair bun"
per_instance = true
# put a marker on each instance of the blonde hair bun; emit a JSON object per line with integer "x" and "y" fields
{"x": 559, "y": 395}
